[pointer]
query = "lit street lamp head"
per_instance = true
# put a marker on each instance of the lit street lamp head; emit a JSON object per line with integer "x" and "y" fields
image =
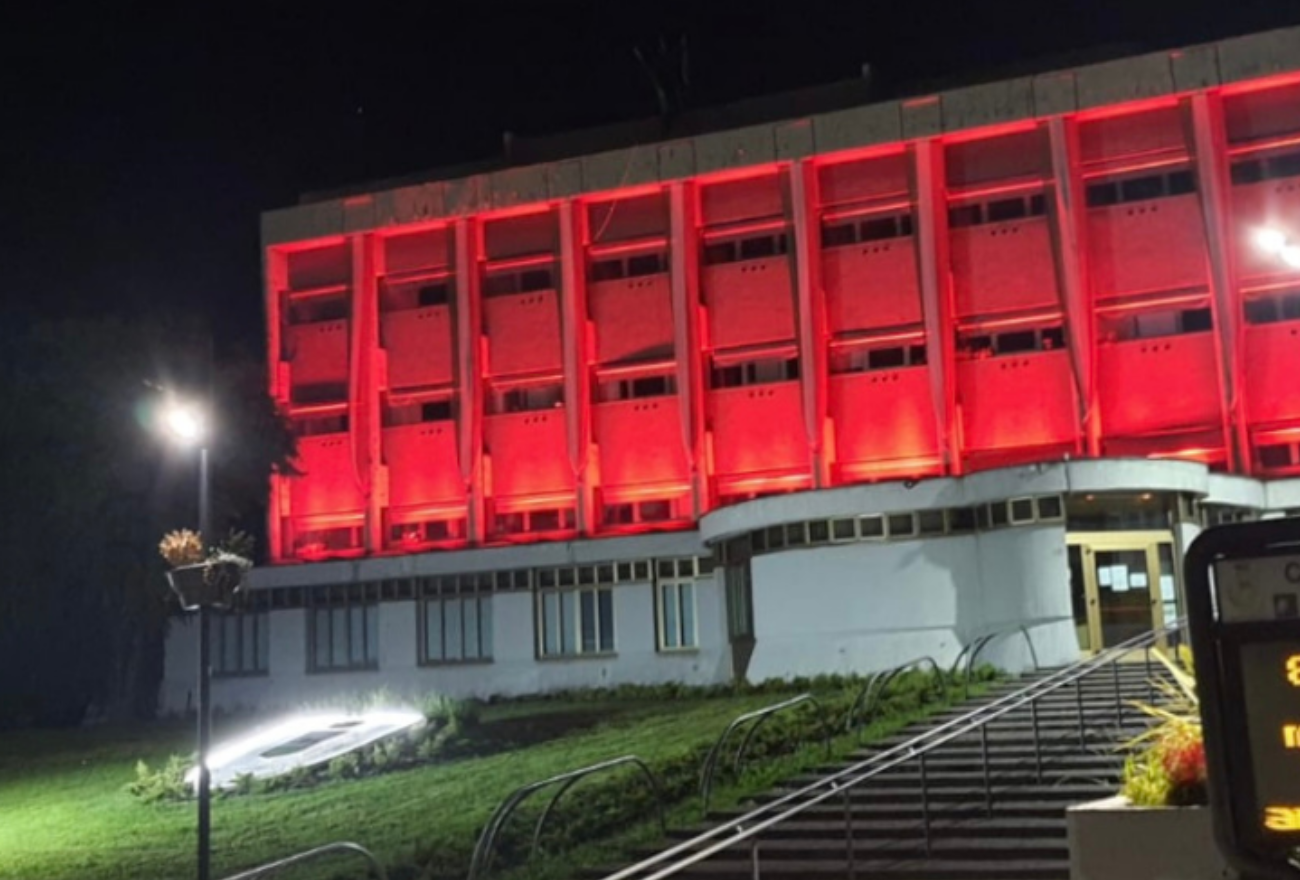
{"x": 184, "y": 423}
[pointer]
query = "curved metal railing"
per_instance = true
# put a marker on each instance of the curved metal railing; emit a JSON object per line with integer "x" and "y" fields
{"x": 873, "y": 690}
{"x": 748, "y": 829}
{"x": 481, "y": 861}
{"x": 312, "y": 855}
{"x": 975, "y": 647}
{"x": 710, "y": 767}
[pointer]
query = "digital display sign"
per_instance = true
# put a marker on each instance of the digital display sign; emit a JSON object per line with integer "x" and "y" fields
{"x": 1270, "y": 687}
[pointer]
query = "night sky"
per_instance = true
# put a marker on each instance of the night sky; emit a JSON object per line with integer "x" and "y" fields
{"x": 138, "y": 149}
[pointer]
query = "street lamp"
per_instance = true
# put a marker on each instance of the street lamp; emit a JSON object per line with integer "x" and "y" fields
{"x": 185, "y": 423}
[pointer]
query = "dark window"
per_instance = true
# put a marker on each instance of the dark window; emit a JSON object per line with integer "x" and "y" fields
{"x": 545, "y": 520}
{"x": 879, "y": 228}
{"x": 532, "y": 398}
{"x": 916, "y": 354}
{"x": 998, "y": 513}
{"x": 645, "y": 264}
{"x": 1103, "y": 194}
{"x": 653, "y": 386}
{"x": 320, "y": 392}
{"x": 905, "y": 224}
{"x": 318, "y": 308}
{"x": 1139, "y": 189}
{"x": 819, "y": 531}
{"x": 755, "y": 372}
{"x": 1038, "y": 205}
{"x": 965, "y": 215}
{"x": 1018, "y": 341}
{"x": 1022, "y": 510}
{"x": 656, "y": 511}
{"x": 871, "y": 526}
{"x": 901, "y": 525}
{"x": 1284, "y": 166}
{"x": 1262, "y": 311}
{"x": 961, "y": 519}
{"x": 843, "y": 530}
{"x": 930, "y": 522}
{"x": 1006, "y": 209}
{"x": 1181, "y": 183}
{"x": 535, "y": 279}
{"x": 838, "y": 235}
{"x": 722, "y": 252}
{"x": 315, "y": 426}
{"x": 761, "y": 246}
{"x": 435, "y": 411}
{"x": 618, "y": 514}
{"x": 1049, "y": 507}
{"x": 731, "y": 376}
{"x": 1197, "y": 321}
{"x": 976, "y": 345}
{"x": 438, "y": 294}
{"x": 1275, "y": 456}
{"x": 1248, "y": 171}
{"x": 1053, "y": 338}
{"x": 607, "y": 270}
{"x": 886, "y": 358}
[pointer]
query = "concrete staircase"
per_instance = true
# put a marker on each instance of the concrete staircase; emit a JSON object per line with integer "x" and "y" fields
{"x": 1014, "y": 830}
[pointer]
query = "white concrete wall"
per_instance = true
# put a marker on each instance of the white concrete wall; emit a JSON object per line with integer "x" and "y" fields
{"x": 514, "y": 669}
{"x": 856, "y": 608}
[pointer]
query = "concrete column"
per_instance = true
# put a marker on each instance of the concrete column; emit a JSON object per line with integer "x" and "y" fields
{"x": 469, "y": 335}
{"x": 1069, "y": 214}
{"x": 1214, "y": 187}
{"x": 574, "y": 329}
{"x": 811, "y": 314}
{"x": 936, "y": 294}
{"x": 363, "y": 393}
{"x": 684, "y": 273}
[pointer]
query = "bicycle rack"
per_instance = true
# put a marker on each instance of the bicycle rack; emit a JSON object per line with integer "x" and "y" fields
{"x": 873, "y": 690}
{"x": 758, "y": 716}
{"x": 311, "y": 855}
{"x": 481, "y": 861}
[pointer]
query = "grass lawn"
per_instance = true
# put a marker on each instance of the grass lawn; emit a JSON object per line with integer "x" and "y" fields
{"x": 65, "y": 812}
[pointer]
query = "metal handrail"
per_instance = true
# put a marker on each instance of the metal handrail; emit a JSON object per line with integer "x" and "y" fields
{"x": 747, "y": 828}
{"x": 311, "y": 855}
{"x": 710, "y": 767}
{"x": 877, "y": 684}
{"x": 481, "y": 861}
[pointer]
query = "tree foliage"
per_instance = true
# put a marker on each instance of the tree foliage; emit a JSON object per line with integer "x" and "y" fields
{"x": 88, "y": 487}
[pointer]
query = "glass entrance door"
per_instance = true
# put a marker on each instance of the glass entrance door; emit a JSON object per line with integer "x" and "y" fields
{"x": 1122, "y": 583}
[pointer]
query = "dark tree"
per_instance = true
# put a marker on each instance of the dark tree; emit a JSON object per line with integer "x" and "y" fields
{"x": 87, "y": 488}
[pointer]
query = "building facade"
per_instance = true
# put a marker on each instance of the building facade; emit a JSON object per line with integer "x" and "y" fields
{"x": 820, "y": 395}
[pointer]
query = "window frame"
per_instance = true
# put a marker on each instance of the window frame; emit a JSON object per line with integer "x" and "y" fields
{"x": 577, "y": 650}
{"x": 484, "y": 624}
{"x": 687, "y": 632}
{"x": 261, "y": 621}
{"x": 369, "y": 608}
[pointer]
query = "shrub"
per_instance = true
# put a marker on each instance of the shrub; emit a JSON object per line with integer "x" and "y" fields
{"x": 167, "y": 783}
{"x": 1167, "y": 768}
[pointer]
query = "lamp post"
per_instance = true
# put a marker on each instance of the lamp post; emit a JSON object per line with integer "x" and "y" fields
{"x": 186, "y": 425}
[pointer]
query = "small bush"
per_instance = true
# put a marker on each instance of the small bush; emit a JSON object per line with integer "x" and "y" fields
{"x": 167, "y": 783}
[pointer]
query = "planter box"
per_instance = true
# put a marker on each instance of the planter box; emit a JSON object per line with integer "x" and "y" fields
{"x": 207, "y": 584}
{"x": 1113, "y": 840}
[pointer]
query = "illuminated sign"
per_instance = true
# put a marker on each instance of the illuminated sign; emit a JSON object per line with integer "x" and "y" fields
{"x": 1284, "y": 819}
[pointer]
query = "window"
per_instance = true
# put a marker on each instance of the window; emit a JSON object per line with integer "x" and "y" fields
{"x": 839, "y": 233}
{"x": 981, "y": 345}
{"x": 632, "y": 389}
{"x": 520, "y": 522}
{"x": 427, "y": 532}
{"x": 1273, "y": 308}
{"x": 320, "y": 392}
{"x": 628, "y": 267}
{"x": 861, "y": 360}
{"x": 576, "y": 622}
{"x": 418, "y": 412}
{"x": 310, "y": 542}
{"x": 759, "y": 372}
{"x": 240, "y": 643}
{"x": 314, "y": 309}
{"x": 1139, "y": 189}
{"x": 749, "y": 248}
{"x": 630, "y": 513}
{"x": 997, "y": 211}
{"x": 456, "y": 629}
{"x": 1270, "y": 168}
{"x": 315, "y": 426}
{"x": 1153, "y": 325}
{"x": 344, "y": 636}
{"x": 739, "y": 585}
{"x": 437, "y": 294}
{"x": 528, "y": 398}
{"x": 677, "y": 616}
{"x": 524, "y": 281}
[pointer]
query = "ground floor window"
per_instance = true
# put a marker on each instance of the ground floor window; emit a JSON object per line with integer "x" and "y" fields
{"x": 344, "y": 636}
{"x": 740, "y": 618}
{"x": 457, "y": 629}
{"x": 572, "y": 623}
{"x": 676, "y": 601}
{"x": 240, "y": 643}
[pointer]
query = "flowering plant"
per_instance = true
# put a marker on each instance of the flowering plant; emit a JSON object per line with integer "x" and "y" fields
{"x": 1167, "y": 765}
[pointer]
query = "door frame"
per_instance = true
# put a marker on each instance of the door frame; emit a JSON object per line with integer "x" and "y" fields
{"x": 1149, "y": 541}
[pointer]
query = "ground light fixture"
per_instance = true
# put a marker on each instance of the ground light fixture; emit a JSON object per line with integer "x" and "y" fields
{"x": 185, "y": 424}
{"x": 1275, "y": 241}
{"x": 309, "y": 739}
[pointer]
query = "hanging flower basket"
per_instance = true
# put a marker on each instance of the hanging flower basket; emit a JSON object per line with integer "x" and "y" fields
{"x": 210, "y": 584}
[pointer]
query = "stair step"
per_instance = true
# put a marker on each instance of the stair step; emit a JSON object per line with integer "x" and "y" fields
{"x": 893, "y": 828}
{"x": 880, "y": 869}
